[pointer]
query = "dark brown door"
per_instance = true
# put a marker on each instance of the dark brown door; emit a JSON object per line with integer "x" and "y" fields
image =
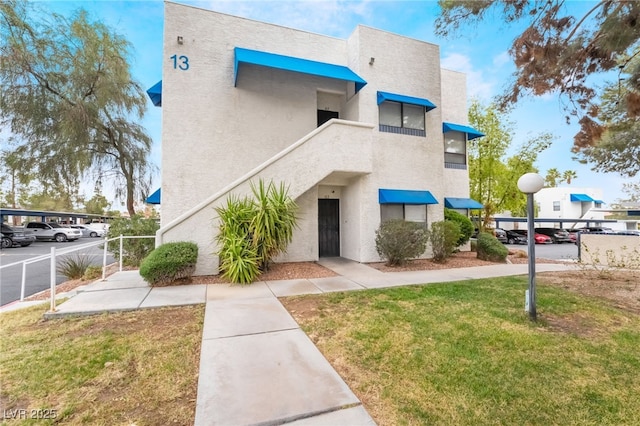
{"x": 329, "y": 227}
{"x": 324, "y": 116}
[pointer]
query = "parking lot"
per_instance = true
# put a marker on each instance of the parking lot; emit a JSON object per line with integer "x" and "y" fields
{"x": 38, "y": 273}
{"x": 550, "y": 251}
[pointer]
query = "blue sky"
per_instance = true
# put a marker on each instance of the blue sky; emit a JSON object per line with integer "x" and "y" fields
{"x": 480, "y": 52}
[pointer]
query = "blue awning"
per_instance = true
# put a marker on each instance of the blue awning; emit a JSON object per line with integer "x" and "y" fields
{"x": 400, "y": 196}
{"x": 155, "y": 93}
{"x": 384, "y": 96}
{"x": 154, "y": 198}
{"x": 470, "y": 131}
{"x": 462, "y": 203}
{"x": 580, "y": 197}
{"x": 598, "y": 201}
{"x": 289, "y": 63}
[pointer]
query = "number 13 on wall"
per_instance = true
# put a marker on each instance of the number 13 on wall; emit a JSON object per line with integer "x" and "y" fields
{"x": 180, "y": 62}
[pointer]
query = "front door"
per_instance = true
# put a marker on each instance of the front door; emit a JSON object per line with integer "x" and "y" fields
{"x": 329, "y": 227}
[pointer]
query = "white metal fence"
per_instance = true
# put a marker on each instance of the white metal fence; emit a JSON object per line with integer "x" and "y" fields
{"x": 53, "y": 262}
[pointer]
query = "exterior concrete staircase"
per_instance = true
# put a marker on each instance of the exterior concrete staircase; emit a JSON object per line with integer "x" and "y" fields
{"x": 336, "y": 146}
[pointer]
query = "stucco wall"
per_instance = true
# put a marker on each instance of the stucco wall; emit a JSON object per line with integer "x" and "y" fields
{"x": 216, "y": 134}
{"x": 568, "y": 209}
{"x": 622, "y": 251}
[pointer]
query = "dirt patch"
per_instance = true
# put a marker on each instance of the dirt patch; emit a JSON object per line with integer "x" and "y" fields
{"x": 277, "y": 271}
{"x": 620, "y": 287}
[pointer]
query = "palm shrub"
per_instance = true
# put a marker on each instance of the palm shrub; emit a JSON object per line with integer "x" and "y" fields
{"x": 169, "y": 262}
{"x": 134, "y": 249}
{"x": 465, "y": 224}
{"x": 397, "y": 241}
{"x": 444, "y": 236}
{"x": 489, "y": 248}
{"x": 254, "y": 230}
{"x": 74, "y": 266}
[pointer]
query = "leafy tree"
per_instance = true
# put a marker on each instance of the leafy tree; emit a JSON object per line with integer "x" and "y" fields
{"x": 134, "y": 249}
{"x": 553, "y": 177}
{"x": 493, "y": 176}
{"x": 618, "y": 131}
{"x": 558, "y": 52}
{"x": 14, "y": 179}
{"x": 97, "y": 204}
{"x": 70, "y": 97}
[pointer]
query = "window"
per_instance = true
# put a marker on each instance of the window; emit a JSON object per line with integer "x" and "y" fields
{"x": 556, "y": 206}
{"x": 455, "y": 150}
{"x": 597, "y": 205}
{"x": 403, "y": 118}
{"x": 409, "y": 212}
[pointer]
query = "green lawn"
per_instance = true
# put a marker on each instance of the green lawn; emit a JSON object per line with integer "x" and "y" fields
{"x": 465, "y": 353}
{"x": 118, "y": 369}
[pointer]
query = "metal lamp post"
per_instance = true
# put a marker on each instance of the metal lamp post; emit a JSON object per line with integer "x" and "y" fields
{"x": 530, "y": 183}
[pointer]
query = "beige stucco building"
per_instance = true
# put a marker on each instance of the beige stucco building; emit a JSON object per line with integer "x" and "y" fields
{"x": 361, "y": 130}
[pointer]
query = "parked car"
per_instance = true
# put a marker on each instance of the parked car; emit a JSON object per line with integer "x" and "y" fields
{"x": 15, "y": 237}
{"x": 539, "y": 238}
{"x": 52, "y": 231}
{"x": 600, "y": 229}
{"x": 501, "y": 235}
{"x": 573, "y": 234}
{"x": 89, "y": 232}
{"x": 542, "y": 239}
{"x": 557, "y": 235}
{"x": 628, "y": 232}
{"x": 514, "y": 237}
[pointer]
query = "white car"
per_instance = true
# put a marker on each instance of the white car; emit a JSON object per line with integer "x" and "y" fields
{"x": 52, "y": 231}
{"x": 89, "y": 232}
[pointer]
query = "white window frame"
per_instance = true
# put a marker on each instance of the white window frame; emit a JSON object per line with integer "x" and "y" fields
{"x": 408, "y": 212}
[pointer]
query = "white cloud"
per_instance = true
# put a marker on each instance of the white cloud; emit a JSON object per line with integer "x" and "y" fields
{"x": 501, "y": 59}
{"x": 328, "y": 17}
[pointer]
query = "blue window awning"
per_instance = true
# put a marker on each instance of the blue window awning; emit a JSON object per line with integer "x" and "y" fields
{"x": 470, "y": 131}
{"x": 289, "y": 63}
{"x": 583, "y": 198}
{"x": 598, "y": 201}
{"x": 154, "y": 198}
{"x": 402, "y": 196}
{"x": 155, "y": 93}
{"x": 385, "y": 96}
{"x": 462, "y": 203}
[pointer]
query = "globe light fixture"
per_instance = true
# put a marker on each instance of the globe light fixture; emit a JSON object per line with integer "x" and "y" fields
{"x": 530, "y": 183}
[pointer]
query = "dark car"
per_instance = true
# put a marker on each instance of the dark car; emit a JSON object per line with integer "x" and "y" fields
{"x": 514, "y": 237}
{"x": 15, "y": 237}
{"x": 558, "y": 236}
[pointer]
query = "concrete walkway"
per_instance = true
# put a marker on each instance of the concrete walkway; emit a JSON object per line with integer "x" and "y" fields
{"x": 257, "y": 367}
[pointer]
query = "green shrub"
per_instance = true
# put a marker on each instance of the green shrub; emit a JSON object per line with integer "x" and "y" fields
{"x": 169, "y": 262}
{"x": 254, "y": 230}
{"x": 134, "y": 249}
{"x": 74, "y": 266}
{"x": 444, "y": 238}
{"x": 465, "y": 224}
{"x": 398, "y": 241}
{"x": 489, "y": 248}
{"x": 92, "y": 273}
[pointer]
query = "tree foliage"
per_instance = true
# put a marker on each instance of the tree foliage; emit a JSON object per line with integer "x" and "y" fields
{"x": 493, "y": 175}
{"x": 553, "y": 178}
{"x": 558, "y": 52}
{"x": 70, "y": 102}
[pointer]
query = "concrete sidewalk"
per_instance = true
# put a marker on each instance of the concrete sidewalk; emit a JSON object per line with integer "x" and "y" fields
{"x": 256, "y": 365}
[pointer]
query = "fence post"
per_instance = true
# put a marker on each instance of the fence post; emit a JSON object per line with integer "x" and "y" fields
{"x": 53, "y": 279}
{"x": 104, "y": 259}
{"x": 24, "y": 280}
{"x": 121, "y": 252}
